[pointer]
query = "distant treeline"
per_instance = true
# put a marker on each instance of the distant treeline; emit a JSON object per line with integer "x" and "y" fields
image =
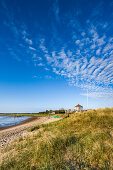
{"x": 39, "y": 113}
{"x": 53, "y": 111}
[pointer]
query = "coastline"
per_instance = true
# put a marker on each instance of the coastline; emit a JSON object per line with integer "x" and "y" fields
{"x": 31, "y": 118}
{"x": 8, "y": 134}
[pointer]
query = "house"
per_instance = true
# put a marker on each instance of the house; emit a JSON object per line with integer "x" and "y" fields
{"x": 78, "y": 108}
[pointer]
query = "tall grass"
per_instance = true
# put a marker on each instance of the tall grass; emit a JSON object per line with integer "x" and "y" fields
{"x": 82, "y": 141}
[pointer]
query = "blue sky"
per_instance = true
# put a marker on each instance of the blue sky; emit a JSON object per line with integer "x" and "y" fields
{"x": 53, "y": 51}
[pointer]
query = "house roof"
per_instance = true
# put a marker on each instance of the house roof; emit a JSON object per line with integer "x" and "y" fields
{"x": 78, "y": 105}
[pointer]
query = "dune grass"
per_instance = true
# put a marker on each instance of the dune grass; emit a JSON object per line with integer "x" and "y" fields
{"x": 82, "y": 141}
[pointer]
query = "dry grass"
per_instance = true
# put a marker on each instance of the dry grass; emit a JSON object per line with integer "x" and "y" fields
{"x": 82, "y": 141}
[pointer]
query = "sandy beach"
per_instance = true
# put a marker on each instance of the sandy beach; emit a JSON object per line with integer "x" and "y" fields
{"x": 8, "y": 134}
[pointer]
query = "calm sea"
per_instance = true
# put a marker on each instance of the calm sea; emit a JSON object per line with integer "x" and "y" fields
{"x": 9, "y": 120}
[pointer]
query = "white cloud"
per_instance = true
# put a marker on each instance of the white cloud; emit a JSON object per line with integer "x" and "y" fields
{"x": 101, "y": 41}
{"x": 98, "y": 51}
{"x": 99, "y": 94}
{"x": 47, "y": 69}
{"x": 90, "y": 74}
{"x": 42, "y": 46}
{"x": 84, "y": 72}
{"x": 69, "y": 53}
{"x": 93, "y": 46}
{"x": 28, "y": 41}
{"x": 108, "y": 47}
{"x": 32, "y": 48}
{"x": 41, "y": 64}
{"x": 48, "y": 77}
{"x": 77, "y": 41}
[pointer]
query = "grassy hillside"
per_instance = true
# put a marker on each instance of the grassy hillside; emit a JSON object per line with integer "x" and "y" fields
{"x": 82, "y": 141}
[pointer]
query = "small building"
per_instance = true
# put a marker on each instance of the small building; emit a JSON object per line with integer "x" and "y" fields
{"x": 78, "y": 108}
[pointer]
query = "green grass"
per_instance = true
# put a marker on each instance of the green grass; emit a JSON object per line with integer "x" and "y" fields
{"x": 24, "y": 114}
{"x": 82, "y": 141}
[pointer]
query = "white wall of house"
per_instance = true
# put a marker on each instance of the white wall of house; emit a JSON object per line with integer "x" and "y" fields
{"x": 78, "y": 109}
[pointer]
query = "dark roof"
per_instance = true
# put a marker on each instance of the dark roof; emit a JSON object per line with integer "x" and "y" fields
{"x": 78, "y": 105}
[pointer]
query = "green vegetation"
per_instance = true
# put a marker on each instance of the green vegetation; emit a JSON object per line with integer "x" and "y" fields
{"x": 34, "y": 128}
{"x": 81, "y": 141}
{"x": 46, "y": 113}
{"x": 25, "y": 114}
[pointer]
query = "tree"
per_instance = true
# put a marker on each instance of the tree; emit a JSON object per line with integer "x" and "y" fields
{"x": 47, "y": 111}
{"x": 50, "y": 111}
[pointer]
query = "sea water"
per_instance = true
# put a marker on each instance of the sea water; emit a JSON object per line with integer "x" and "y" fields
{"x": 10, "y": 120}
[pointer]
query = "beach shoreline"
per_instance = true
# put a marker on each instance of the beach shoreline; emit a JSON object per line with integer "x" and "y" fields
{"x": 8, "y": 134}
{"x": 30, "y": 119}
